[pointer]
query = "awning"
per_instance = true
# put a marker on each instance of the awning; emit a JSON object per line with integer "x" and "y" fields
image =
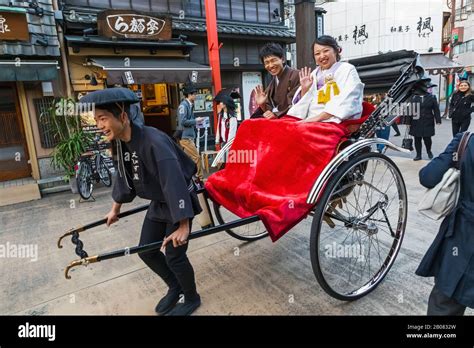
{"x": 11, "y": 70}
{"x": 152, "y": 70}
{"x": 439, "y": 64}
{"x": 379, "y": 72}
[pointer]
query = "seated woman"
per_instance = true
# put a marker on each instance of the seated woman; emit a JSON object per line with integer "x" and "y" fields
{"x": 273, "y": 163}
{"x": 333, "y": 92}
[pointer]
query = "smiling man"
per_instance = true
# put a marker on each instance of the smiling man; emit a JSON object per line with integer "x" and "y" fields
{"x": 152, "y": 166}
{"x": 276, "y": 99}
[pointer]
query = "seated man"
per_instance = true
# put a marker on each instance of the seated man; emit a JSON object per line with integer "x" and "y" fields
{"x": 273, "y": 164}
{"x": 275, "y": 101}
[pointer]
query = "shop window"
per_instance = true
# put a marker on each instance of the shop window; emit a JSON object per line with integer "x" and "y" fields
{"x": 159, "y": 6}
{"x": 141, "y": 6}
{"x": 176, "y": 7}
{"x": 45, "y": 121}
{"x": 238, "y": 10}
{"x": 263, "y": 12}
{"x": 223, "y": 9}
{"x": 193, "y": 8}
{"x": 275, "y": 5}
{"x": 250, "y": 10}
{"x": 121, "y": 4}
{"x": 470, "y": 46}
{"x": 155, "y": 99}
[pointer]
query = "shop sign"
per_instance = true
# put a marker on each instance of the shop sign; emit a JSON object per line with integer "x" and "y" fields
{"x": 133, "y": 25}
{"x": 13, "y": 26}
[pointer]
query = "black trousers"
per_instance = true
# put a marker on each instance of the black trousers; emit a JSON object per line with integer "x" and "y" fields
{"x": 460, "y": 126}
{"x": 418, "y": 145}
{"x": 440, "y": 304}
{"x": 174, "y": 267}
{"x": 395, "y": 128}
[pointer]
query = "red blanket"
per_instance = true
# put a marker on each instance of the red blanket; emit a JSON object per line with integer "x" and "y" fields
{"x": 271, "y": 168}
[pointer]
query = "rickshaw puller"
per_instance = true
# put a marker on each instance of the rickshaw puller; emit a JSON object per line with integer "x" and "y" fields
{"x": 152, "y": 166}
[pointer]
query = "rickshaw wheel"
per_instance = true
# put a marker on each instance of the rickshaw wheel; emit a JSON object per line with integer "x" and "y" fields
{"x": 250, "y": 232}
{"x": 358, "y": 226}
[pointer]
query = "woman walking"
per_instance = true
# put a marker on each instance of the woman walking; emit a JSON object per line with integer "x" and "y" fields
{"x": 461, "y": 107}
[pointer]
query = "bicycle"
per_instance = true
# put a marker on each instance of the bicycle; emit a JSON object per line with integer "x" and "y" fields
{"x": 92, "y": 167}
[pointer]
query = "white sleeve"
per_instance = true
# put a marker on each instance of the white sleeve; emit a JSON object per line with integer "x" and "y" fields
{"x": 348, "y": 102}
{"x": 233, "y": 128}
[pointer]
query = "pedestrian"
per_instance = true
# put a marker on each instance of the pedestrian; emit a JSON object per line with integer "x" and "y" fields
{"x": 450, "y": 258}
{"x": 461, "y": 107}
{"x": 186, "y": 124}
{"x": 275, "y": 101}
{"x": 423, "y": 125}
{"x": 226, "y": 119}
{"x": 152, "y": 166}
{"x": 396, "y": 129}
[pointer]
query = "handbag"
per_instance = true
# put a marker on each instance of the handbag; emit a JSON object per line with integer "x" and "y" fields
{"x": 440, "y": 200}
{"x": 407, "y": 142}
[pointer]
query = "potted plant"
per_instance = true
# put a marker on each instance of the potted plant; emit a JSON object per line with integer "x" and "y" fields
{"x": 72, "y": 139}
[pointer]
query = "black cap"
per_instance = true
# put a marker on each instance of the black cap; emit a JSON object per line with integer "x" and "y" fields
{"x": 110, "y": 96}
{"x": 189, "y": 88}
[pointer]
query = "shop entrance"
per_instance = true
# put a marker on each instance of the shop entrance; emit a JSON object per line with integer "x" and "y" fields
{"x": 13, "y": 149}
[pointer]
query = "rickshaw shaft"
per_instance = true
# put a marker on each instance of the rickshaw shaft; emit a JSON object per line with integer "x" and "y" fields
{"x": 193, "y": 235}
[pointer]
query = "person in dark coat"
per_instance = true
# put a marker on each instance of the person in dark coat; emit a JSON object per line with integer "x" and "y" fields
{"x": 450, "y": 258}
{"x": 423, "y": 126}
{"x": 461, "y": 107}
{"x": 152, "y": 166}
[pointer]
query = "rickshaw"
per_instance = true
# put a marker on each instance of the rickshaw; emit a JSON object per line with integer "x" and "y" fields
{"x": 360, "y": 207}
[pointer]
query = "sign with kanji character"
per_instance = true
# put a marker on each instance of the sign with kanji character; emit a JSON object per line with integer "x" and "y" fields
{"x": 13, "y": 26}
{"x": 133, "y": 25}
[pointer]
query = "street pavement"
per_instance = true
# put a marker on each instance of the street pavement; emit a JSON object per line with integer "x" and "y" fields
{"x": 233, "y": 277}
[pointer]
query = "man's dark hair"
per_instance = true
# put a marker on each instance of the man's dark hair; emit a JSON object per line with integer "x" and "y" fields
{"x": 326, "y": 40}
{"x": 272, "y": 49}
{"x": 115, "y": 109}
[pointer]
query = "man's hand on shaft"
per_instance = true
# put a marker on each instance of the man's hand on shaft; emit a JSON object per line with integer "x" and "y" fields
{"x": 178, "y": 237}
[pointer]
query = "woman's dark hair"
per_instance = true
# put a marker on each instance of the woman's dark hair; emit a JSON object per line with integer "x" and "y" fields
{"x": 326, "y": 40}
{"x": 272, "y": 49}
{"x": 116, "y": 109}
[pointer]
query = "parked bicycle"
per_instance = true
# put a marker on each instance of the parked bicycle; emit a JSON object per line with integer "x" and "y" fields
{"x": 91, "y": 168}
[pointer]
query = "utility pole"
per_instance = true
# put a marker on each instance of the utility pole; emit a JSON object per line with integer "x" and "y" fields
{"x": 305, "y": 32}
{"x": 213, "y": 47}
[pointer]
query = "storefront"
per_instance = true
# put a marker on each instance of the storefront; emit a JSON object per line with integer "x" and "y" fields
{"x": 135, "y": 50}
{"x": 243, "y": 28}
{"x": 29, "y": 53}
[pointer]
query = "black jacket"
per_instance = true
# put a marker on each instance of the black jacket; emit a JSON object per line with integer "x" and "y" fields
{"x": 450, "y": 258}
{"x": 460, "y": 106}
{"x": 152, "y": 166}
{"x": 424, "y": 126}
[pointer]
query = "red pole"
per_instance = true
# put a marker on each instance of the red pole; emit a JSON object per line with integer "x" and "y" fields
{"x": 213, "y": 47}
